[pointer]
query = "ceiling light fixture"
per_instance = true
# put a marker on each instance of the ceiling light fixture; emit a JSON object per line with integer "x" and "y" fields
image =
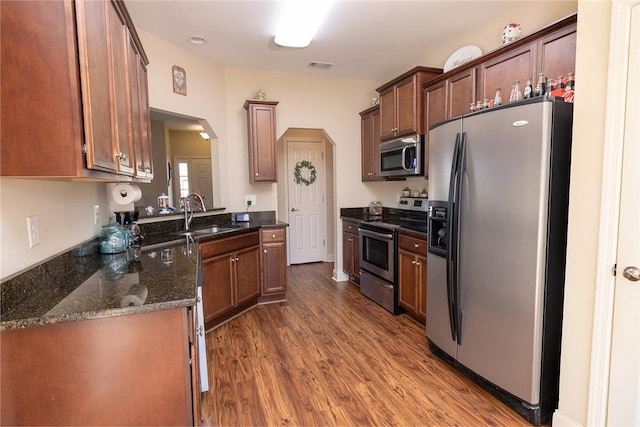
{"x": 299, "y": 21}
{"x": 204, "y": 135}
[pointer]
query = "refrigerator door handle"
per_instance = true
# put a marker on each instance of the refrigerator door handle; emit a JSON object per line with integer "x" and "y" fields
{"x": 455, "y": 247}
{"x": 450, "y": 239}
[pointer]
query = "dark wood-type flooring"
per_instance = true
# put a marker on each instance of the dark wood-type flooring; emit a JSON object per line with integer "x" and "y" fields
{"x": 331, "y": 357}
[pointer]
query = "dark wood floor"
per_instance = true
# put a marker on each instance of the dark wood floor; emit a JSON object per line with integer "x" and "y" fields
{"x": 331, "y": 357}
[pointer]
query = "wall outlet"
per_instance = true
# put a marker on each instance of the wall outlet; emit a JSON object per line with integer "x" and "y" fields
{"x": 96, "y": 214}
{"x": 250, "y": 200}
{"x": 33, "y": 230}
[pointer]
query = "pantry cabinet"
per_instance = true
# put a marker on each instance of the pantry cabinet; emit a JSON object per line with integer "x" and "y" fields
{"x": 273, "y": 266}
{"x": 412, "y": 276}
{"x": 261, "y": 124}
{"x": 401, "y": 103}
{"x": 67, "y": 95}
{"x": 231, "y": 276}
{"x": 370, "y": 123}
{"x": 350, "y": 250}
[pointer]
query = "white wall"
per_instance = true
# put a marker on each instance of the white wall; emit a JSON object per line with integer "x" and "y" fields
{"x": 584, "y": 204}
{"x": 65, "y": 217}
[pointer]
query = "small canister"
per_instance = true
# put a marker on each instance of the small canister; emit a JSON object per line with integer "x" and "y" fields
{"x": 113, "y": 239}
{"x": 163, "y": 201}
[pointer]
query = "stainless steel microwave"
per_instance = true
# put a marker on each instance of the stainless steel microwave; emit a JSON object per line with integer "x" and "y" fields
{"x": 402, "y": 156}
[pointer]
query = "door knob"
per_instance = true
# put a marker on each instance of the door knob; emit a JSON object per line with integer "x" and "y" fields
{"x": 294, "y": 210}
{"x": 632, "y": 273}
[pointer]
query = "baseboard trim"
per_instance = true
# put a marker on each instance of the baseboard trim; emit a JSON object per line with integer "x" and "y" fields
{"x": 562, "y": 420}
{"x": 339, "y": 276}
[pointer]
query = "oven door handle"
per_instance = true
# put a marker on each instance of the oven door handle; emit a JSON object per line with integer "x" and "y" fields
{"x": 375, "y": 234}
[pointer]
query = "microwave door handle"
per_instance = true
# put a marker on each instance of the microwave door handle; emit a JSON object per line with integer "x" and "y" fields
{"x": 404, "y": 150}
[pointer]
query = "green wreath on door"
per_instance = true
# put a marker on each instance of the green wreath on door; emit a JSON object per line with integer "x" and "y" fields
{"x": 297, "y": 173}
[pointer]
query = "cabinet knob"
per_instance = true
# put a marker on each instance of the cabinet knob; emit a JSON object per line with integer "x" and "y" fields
{"x": 265, "y": 251}
{"x": 370, "y": 174}
{"x": 237, "y": 259}
{"x": 273, "y": 236}
{"x": 257, "y": 174}
{"x": 121, "y": 156}
{"x": 416, "y": 245}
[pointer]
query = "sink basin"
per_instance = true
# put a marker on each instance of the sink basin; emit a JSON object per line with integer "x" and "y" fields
{"x": 205, "y": 231}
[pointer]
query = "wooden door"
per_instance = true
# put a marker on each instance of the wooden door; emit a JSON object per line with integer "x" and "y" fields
{"x": 435, "y": 110}
{"x": 347, "y": 253}
{"x": 556, "y": 53}
{"x": 407, "y": 286}
{"x": 370, "y": 145}
{"x": 247, "y": 274}
{"x": 119, "y": 96}
{"x": 93, "y": 51}
{"x": 387, "y": 114}
{"x": 505, "y": 70}
{"x": 274, "y": 262}
{"x": 218, "y": 288}
{"x": 461, "y": 92}
{"x": 262, "y": 140}
{"x": 407, "y": 106}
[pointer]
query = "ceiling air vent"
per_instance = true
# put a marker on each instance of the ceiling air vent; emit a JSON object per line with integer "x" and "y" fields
{"x": 320, "y": 65}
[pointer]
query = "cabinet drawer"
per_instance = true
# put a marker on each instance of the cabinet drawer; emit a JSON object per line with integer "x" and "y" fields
{"x": 229, "y": 244}
{"x": 349, "y": 227}
{"x": 411, "y": 244}
{"x": 273, "y": 235}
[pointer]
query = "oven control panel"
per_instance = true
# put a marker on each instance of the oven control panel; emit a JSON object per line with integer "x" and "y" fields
{"x": 420, "y": 204}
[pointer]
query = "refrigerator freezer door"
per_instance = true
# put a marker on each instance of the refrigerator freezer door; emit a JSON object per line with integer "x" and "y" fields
{"x": 442, "y": 141}
{"x": 502, "y": 246}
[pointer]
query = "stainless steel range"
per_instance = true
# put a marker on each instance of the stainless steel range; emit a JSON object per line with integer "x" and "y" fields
{"x": 379, "y": 250}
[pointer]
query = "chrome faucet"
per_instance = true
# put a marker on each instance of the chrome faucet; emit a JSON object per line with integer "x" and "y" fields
{"x": 188, "y": 209}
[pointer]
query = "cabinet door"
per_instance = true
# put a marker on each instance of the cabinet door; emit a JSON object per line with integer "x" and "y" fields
{"x": 406, "y": 107}
{"x": 139, "y": 121}
{"x": 274, "y": 273}
{"x": 347, "y": 253}
{"x": 247, "y": 273}
{"x": 387, "y": 114}
{"x": 435, "y": 110}
{"x": 503, "y": 71}
{"x": 370, "y": 146}
{"x": 407, "y": 291}
{"x": 119, "y": 45}
{"x": 93, "y": 50}
{"x": 556, "y": 53}
{"x": 218, "y": 287}
{"x": 262, "y": 141}
{"x": 461, "y": 92}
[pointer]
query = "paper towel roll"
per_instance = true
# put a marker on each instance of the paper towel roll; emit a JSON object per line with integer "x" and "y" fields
{"x": 136, "y": 296}
{"x": 124, "y": 194}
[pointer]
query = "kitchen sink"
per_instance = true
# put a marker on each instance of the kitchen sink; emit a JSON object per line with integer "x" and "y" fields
{"x": 206, "y": 231}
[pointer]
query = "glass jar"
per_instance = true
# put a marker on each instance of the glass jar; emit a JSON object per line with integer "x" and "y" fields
{"x": 112, "y": 239}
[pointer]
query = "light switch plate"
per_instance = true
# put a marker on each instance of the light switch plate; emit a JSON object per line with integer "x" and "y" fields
{"x": 96, "y": 214}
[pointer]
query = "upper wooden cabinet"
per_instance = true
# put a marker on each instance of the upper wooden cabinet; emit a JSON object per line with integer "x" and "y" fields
{"x": 69, "y": 104}
{"x": 550, "y": 51}
{"x": 401, "y": 103}
{"x": 370, "y": 121}
{"x": 261, "y": 122}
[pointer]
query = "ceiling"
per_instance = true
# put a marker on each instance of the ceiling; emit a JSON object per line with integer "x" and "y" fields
{"x": 365, "y": 39}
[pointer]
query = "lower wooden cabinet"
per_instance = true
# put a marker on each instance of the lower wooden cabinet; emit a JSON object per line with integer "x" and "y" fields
{"x": 412, "y": 276}
{"x": 124, "y": 370}
{"x": 231, "y": 276}
{"x": 273, "y": 264}
{"x": 350, "y": 250}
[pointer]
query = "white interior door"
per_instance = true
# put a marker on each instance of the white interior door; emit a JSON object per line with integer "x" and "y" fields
{"x": 193, "y": 175}
{"x": 307, "y": 209}
{"x": 624, "y": 380}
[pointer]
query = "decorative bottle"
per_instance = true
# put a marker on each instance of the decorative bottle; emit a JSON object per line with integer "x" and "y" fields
{"x": 498, "y": 98}
{"x": 528, "y": 89}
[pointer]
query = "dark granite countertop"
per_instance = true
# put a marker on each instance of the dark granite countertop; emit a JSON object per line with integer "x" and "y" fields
{"x": 82, "y": 284}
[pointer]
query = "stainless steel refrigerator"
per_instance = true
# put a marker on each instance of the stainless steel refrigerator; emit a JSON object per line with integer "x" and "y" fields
{"x": 498, "y": 201}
